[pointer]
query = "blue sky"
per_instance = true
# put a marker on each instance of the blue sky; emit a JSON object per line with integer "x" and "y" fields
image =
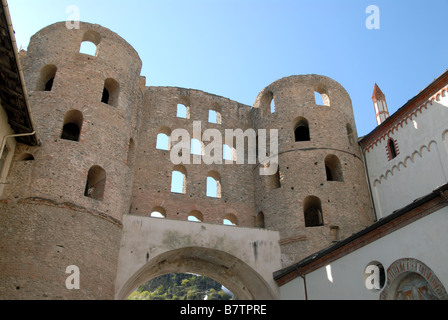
{"x": 235, "y": 48}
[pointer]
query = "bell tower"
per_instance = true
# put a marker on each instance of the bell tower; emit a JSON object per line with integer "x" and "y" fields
{"x": 379, "y": 102}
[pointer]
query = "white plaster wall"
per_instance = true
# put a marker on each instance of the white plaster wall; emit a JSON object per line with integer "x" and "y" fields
{"x": 346, "y": 280}
{"x": 5, "y": 130}
{"x": 293, "y": 290}
{"x": 422, "y": 163}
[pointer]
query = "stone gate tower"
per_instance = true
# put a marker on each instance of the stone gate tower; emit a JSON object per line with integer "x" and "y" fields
{"x": 99, "y": 125}
{"x": 319, "y": 195}
{"x": 65, "y": 207}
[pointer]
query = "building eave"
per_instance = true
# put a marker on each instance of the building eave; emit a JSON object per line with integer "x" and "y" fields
{"x": 13, "y": 93}
{"x": 393, "y": 121}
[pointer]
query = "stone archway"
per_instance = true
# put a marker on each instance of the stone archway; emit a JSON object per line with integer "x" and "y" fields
{"x": 411, "y": 279}
{"x": 228, "y": 270}
{"x": 241, "y": 259}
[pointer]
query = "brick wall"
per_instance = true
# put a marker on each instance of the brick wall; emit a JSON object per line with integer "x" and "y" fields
{"x": 346, "y": 204}
{"x": 119, "y": 138}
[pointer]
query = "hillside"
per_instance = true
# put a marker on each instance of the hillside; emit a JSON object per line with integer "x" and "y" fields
{"x": 181, "y": 286}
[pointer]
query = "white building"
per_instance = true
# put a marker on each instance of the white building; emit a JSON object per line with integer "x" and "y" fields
{"x": 406, "y": 155}
{"x": 403, "y": 255}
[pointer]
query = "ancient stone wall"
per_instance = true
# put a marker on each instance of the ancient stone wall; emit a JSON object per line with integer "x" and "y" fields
{"x": 98, "y": 160}
{"x": 154, "y": 167}
{"x": 41, "y": 238}
{"x": 75, "y": 190}
{"x": 321, "y": 171}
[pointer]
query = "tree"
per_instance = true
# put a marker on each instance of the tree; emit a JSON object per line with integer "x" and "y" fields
{"x": 180, "y": 286}
{"x": 185, "y": 282}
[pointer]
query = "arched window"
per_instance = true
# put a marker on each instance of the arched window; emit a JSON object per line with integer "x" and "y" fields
{"x": 312, "y": 208}
{"x": 90, "y": 41}
{"x": 72, "y": 125}
{"x": 49, "y": 84}
{"x": 213, "y": 185}
{"x": 106, "y": 95}
{"x": 96, "y": 183}
{"x": 178, "y": 179}
{"x": 230, "y": 220}
{"x": 214, "y": 116}
{"x": 183, "y": 111}
{"x": 158, "y": 212}
{"x": 111, "y": 92}
{"x": 267, "y": 102}
{"x": 197, "y": 147}
{"x": 259, "y": 221}
{"x": 195, "y": 216}
{"x": 46, "y": 78}
{"x": 164, "y": 139}
{"x": 88, "y": 48}
{"x": 228, "y": 153}
{"x": 333, "y": 168}
{"x": 301, "y": 130}
{"x": 272, "y": 105}
{"x": 392, "y": 150}
{"x": 321, "y": 96}
{"x": 318, "y": 98}
{"x": 25, "y": 157}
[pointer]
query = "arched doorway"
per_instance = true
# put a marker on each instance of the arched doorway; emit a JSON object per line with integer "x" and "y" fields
{"x": 226, "y": 269}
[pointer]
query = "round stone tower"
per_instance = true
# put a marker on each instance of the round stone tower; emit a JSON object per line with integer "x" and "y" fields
{"x": 66, "y": 206}
{"x": 319, "y": 194}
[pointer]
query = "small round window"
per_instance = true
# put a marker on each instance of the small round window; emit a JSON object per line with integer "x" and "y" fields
{"x": 374, "y": 276}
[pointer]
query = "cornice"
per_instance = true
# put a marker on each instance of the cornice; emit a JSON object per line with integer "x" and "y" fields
{"x": 423, "y": 101}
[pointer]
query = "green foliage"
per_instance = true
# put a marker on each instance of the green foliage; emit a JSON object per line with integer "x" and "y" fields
{"x": 181, "y": 286}
{"x": 185, "y": 282}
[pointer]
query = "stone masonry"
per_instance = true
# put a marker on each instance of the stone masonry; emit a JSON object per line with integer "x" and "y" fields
{"x": 67, "y": 205}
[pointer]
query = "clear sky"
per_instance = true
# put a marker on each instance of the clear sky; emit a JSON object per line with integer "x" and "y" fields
{"x": 235, "y": 48}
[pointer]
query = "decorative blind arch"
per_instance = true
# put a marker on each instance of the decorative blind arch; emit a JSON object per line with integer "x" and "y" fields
{"x": 400, "y": 269}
